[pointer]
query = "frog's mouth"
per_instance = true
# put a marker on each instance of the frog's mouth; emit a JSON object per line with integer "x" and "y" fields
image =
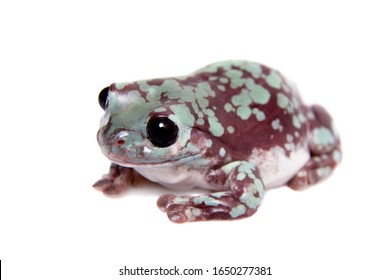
{"x": 147, "y": 162}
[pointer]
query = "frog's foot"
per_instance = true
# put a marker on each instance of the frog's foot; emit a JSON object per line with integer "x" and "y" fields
{"x": 325, "y": 150}
{"x": 217, "y": 206}
{"x": 316, "y": 169}
{"x": 242, "y": 200}
{"x": 116, "y": 181}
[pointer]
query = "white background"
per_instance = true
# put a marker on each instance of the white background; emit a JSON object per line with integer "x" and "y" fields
{"x": 55, "y": 59}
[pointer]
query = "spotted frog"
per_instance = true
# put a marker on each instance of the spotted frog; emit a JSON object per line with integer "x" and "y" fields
{"x": 237, "y": 128}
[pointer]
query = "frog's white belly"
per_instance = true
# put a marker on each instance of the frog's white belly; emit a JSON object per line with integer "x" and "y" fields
{"x": 276, "y": 169}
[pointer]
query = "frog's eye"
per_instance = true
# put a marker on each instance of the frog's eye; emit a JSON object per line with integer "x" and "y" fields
{"x": 162, "y": 132}
{"x": 103, "y": 98}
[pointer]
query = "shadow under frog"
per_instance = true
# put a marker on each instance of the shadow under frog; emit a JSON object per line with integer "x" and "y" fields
{"x": 236, "y": 128}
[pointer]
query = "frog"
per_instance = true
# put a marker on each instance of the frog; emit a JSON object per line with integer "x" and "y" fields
{"x": 235, "y": 128}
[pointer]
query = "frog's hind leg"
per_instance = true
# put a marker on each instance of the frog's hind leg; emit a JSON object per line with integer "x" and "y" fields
{"x": 325, "y": 151}
{"x": 244, "y": 196}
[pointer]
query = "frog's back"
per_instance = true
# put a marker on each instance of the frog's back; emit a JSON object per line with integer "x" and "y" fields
{"x": 253, "y": 107}
{"x": 255, "y": 114}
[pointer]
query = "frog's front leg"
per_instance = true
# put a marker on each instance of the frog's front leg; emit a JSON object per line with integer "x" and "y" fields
{"x": 243, "y": 197}
{"x": 117, "y": 180}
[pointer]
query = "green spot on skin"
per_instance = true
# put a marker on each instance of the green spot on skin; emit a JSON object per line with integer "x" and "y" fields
{"x": 289, "y": 146}
{"x": 209, "y": 143}
{"x": 246, "y": 167}
{"x": 274, "y": 80}
{"x": 276, "y": 125}
{"x": 260, "y": 116}
{"x": 295, "y": 102}
{"x": 258, "y": 93}
{"x": 230, "y": 166}
{"x": 233, "y": 73}
{"x": 237, "y": 211}
{"x": 282, "y": 100}
{"x": 250, "y": 200}
{"x": 215, "y": 66}
{"x": 196, "y": 212}
{"x": 134, "y": 96}
{"x": 215, "y": 127}
{"x": 200, "y": 121}
{"x": 253, "y": 68}
{"x": 296, "y": 122}
{"x": 242, "y": 99}
{"x": 181, "y": 200}
{"x": 195, "y": 107}
{"x": 244, "y": 112}
{"x": 143, "y": 85}
{"x": 301, "y": 118}
{"x": 209, "y": 112}
{"x": 222, "y": 152}
{"x": 241, "y": 176}
{"x": 213, "y": 78}
{"x": 121, "y": 85}
{"x": 207, "y": 200}
{"x": 310, "y": 115}
{"x": 204, "y": 86}
{"x": 184, "y": 114}
{"x": 336, "y": 156}
{"x": 252, "y": 176}
{"x": 221, "y": 87}
{"x": 203, "y": 102}
{"x": 324, "y": 171}
{"x": 323, "y": 136}
{"x": 219, "y": 194}
{"x": 289, "y": 138}
{"x": 259, "y": 187}
{"x": 230, "y": 129}
{"x": 154, "y": 92}
{"x": 290, "y": 108}
{"x": 235, "y": 78}
{"x": 228, "y": 107}
{"x": 224, "y": 80}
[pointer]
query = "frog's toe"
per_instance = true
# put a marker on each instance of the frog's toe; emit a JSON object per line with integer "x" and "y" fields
{"x": 177, "y": 213}
{"x": 300, "y": 181}
{"x": 103, "y": 183}
{"x": 115, "y": 189}
{"x": 110, "y": 186}
{"x": 165, "y": 201}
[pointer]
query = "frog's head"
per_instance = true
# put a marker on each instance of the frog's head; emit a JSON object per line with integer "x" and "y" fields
{"x": 139, "y": 129}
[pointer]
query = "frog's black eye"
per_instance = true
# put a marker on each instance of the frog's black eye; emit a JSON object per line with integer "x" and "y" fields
{"x": 162, "y": 132}
{"x": 103, "y": 98}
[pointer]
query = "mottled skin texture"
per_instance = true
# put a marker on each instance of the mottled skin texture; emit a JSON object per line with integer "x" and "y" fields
{"x": 242, "y": 128}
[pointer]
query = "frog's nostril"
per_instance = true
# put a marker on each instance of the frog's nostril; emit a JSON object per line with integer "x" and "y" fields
{"x": 120, "y": 138}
